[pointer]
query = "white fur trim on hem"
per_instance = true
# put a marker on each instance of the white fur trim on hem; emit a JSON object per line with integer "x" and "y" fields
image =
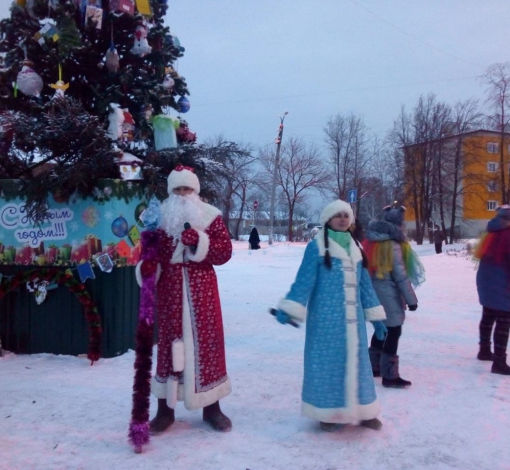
{"x": 342, "y": 415}
{"x": 375, "y": 313}
{"x": 293, "y": 308}
{"x": 178, "y": 355}
{"x": 165, "y": 390}
{"x": 201, "y": 250}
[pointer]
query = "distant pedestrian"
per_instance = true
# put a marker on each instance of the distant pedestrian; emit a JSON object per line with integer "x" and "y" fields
{"x": 438, "y": 239}
{"x": 333, "y": 292}
{"x": 254, "y": 239}
{"x": 493, "y": 284}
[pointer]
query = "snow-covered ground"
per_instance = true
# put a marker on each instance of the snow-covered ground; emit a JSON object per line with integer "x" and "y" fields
{"x": 57, "y": 412}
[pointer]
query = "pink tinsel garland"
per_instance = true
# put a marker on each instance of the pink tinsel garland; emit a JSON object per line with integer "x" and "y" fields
{"x": 139, "y": 425}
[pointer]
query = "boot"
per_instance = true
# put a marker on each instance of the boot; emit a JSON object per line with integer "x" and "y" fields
{"x": 499, "y": 366}
{"x": 213, "y": 415}
{"x": 164, "y": 418}
{"x": 328, "y": 427}
{"x": 373, "y": 423}
{"x": 485, "y": 353}
{"x": 389, "y": 372}
{"x": 375, "y": 360}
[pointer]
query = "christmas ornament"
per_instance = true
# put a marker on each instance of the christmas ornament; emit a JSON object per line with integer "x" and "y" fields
{"x": 48, "y": 31}
{"x": 168, "y": 81}
{"x": 164, "y": 131}
{"x": 94, "y": 14}
{"x": 183, "y": 104}
{"x": 139, "y": 211}
{"x": 120, "y": 227}
{"x": 28, "y": 82}
{"x": 112, "y": 60}
{"x": 130, "y": 167}
{"x": 60, "y": 87}
{"x": 177, "y": 44}
{"x": 184, "y": 135}
{"x": 122, "y": 6}
{"x": 141, "y": 46}
{"x": 116, "y": 118}
{"x": 144, "y": 7}
{"x": 128, "y": 126}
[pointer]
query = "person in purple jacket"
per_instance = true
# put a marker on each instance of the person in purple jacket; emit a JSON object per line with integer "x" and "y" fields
{"x": 493, "y": 285}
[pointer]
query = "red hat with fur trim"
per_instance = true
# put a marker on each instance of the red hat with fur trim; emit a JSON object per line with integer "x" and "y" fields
{"x": 183, "y": 176}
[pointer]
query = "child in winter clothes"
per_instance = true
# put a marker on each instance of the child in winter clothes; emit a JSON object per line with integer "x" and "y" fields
{"x": 333, "y": 290}
{"x": 493, "y": 284}
{"x": 393, "y": 267}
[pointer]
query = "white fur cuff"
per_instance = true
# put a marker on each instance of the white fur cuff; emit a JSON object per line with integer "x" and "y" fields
{"x": 375, "y": 313}
{"x": 292, "y": 308}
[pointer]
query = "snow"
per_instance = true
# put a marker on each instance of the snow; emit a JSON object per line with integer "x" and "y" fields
{"x": 58, "y": 412}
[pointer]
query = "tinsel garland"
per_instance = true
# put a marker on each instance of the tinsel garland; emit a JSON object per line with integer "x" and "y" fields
{"x": 139, "y": 425}
{"x": 66, "y": 278}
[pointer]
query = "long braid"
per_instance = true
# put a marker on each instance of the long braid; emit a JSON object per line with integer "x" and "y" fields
{"x": 327, "y": 256}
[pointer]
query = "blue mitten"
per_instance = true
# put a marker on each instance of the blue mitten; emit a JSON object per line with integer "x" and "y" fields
{"x": 282, "y": 317}
{"x": 380, "y": 330}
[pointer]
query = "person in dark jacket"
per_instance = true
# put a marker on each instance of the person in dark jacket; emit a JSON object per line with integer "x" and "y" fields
{"x": 438, "y": 239}
{"x": 393, "y": 268}
{"x": 493, "y": 285}
{"x": 254, "y": 239}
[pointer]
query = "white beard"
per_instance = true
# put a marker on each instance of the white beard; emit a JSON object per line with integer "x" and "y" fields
{"x": 177, "y": 210}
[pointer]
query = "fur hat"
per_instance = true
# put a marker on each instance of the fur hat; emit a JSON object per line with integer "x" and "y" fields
{"x": 334, "y": 208}
{"x": 503, "y": 212}
{"x": 183, "y": 176}
{"x": 394, "y": 215}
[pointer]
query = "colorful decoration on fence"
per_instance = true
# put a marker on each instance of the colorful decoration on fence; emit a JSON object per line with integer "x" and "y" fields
{"x": 75, "y": 231}
{"x": 66, "y": 278}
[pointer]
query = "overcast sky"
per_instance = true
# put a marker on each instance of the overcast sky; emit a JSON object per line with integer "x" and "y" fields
{"x": 247, "y": 62}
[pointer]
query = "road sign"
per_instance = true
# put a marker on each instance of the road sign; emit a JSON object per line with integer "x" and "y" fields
{"x": 255, "y": 205}
{"x": 351, "y": 196}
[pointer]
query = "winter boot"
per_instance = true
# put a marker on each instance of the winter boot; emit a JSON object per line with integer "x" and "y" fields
{"x": 389, "y": 372}
{"x": 373, "y": 423}
{"x": 499, "y": 366}
{"x": 328, "y": 427}
{"x": 165, "y": 417}
{"x": 213, "y": 415}
{"x": 485, "y": 353}
{"x": 375, "y": 360}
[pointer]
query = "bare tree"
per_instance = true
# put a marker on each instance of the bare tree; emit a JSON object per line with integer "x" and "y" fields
{"x": 347, "y": 143}
{"x": 233, "y": 172}
{"x": 497, "y": 79}
{"x": 417, "y": 136}
{"x": 300, "y": 171}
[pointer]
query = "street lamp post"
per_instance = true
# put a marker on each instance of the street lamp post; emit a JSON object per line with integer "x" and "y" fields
{"x": 275, "y": 176}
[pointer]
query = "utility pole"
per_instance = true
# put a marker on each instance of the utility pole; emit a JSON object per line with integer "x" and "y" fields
{"x": 275, "y": 176}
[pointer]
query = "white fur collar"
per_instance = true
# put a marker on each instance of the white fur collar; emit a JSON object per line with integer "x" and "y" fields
{"x": 336, "y": 251}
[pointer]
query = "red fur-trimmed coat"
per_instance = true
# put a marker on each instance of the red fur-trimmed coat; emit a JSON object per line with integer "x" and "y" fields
{"x": 191, "y": 355}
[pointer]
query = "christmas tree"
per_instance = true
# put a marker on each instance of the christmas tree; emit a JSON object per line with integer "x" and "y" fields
{"x": 84, "y": 85}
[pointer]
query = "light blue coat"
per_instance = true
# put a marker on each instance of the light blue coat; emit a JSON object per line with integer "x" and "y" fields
{"x": 338, "y": 386}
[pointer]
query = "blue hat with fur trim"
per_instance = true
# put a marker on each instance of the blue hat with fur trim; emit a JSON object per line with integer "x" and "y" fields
{"x": 335, "y": 208}
{"x": 394, "y": 215}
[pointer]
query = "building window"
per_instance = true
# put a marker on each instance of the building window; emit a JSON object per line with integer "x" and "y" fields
{"x": 492, "y": 167}
{"x": 491, "y": 205}
{"x": 492, "y": 186}
{"x": 492, "y": 147}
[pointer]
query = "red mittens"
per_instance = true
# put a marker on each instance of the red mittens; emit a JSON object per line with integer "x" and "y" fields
{"x": 189, "y": 237}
